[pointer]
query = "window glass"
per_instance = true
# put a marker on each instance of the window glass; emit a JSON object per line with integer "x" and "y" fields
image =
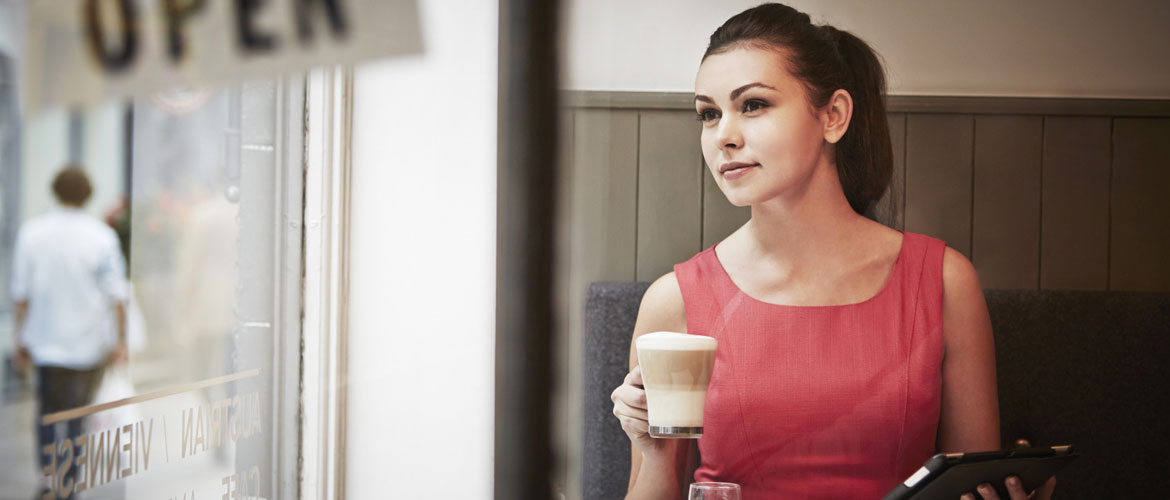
{"x": 182, "y": 230}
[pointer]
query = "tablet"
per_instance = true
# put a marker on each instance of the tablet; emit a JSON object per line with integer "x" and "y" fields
{"x": 950, "y": 475}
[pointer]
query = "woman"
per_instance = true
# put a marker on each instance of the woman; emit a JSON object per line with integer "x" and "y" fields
{"x": 849, "y": 352}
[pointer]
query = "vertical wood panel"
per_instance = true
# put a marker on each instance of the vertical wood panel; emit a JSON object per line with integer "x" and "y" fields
{"x": 567, "y": 193}
{"x": 1140, "y": 242}
{"x": 1005, "y": 247}
{"x": 602, "y": 184}
{"x": 1074, "y": 248}
{"x": 669, "y": 191}
{"x": 567, "y": 402}
{"x": 720, "y": 217}
{"x": 890, "y": 210}
{"x": 605, "y": 156}
{"x": 938, "y": 177}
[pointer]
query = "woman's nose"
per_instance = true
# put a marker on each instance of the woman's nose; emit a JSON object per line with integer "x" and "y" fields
{"x": 729, "y": 134}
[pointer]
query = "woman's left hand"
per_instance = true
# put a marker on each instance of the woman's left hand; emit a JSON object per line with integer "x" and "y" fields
{"x": 1016, "y": 490}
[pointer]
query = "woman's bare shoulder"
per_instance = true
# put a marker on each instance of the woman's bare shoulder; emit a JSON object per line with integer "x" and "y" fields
{"x": 964, "y": 310}
{"x": 960, "y": 281}
{"x": 662, "y": 307}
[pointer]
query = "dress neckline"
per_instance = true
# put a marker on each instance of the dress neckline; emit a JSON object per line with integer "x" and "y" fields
{"x": 890, "y": 277}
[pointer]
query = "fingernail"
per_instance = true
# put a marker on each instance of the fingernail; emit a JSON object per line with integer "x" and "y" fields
{"x": 968, "y": 496}
{"x": 1014, "y": 481}
{"x": 984, "y": 489}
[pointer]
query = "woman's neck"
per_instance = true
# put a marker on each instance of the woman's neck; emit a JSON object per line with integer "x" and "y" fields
{"x": 809, "y": 227}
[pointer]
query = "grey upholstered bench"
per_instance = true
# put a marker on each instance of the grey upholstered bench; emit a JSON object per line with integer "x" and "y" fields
{"x": 1087, "y": 368}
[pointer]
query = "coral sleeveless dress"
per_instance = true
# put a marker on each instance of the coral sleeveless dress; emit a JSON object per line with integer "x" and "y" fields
{"x": 820, "y": 401}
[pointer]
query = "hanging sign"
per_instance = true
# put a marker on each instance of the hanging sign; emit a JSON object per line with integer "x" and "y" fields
{"x": 81, "y": 51}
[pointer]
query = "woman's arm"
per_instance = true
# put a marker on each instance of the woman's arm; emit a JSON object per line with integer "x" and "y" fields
{"x": 970, "y": 402}
{"x": 657, "y": 466}
{"x": 969, "y": 419}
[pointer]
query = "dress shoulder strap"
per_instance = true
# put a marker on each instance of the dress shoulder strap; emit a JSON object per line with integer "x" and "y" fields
{"x": 700, "y": 291}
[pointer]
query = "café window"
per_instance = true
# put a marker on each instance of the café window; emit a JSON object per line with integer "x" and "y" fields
{"x": 188, "y": 248}
{"x": 195, "y": 182}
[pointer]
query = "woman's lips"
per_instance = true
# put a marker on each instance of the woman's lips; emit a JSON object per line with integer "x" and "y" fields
{"x": 737, "y": 171}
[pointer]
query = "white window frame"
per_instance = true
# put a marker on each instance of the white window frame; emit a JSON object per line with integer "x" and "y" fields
{"x": 328, "y": 118}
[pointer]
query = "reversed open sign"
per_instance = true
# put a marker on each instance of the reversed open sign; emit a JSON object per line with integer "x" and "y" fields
{"x": 83, "y": 51}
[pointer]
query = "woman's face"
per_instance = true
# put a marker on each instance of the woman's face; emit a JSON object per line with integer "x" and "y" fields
{"x": 761, "y": 137}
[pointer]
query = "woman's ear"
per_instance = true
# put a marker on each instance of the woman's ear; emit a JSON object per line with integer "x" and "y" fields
{"x": 836, "y": 115}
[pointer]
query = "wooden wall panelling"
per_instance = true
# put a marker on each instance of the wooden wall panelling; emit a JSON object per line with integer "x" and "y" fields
{"x": 566, "y": 198}
{"x": 720, "y": 217}
{"x": 1140, "y": 221}
{"x": 567, "y": 194}
{"x": 891, "y": 210}
{"x": 669, "y": 192}
{"x": 1006, "y": 232}
{"x": 938, "y": 177}
{"x": 1074, "y": 237}
{"x": 567, "y": 399}
{"x": 605, "y": 170}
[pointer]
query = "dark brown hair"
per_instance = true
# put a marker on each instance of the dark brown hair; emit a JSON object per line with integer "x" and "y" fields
{"x": 827, "y": 59}
{"x": 72, "y": 187}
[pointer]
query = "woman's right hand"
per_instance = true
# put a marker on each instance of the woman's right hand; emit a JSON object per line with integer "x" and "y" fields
{"x": 629, "y": 405}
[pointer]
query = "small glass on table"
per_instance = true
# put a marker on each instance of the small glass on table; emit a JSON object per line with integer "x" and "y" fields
{"x": 714, "y": 491}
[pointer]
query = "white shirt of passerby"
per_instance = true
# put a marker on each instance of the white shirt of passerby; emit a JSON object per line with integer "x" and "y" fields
{"x": 69, "y": 268}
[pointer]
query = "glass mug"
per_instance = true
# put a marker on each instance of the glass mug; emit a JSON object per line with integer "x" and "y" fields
{"x": 714, "y": 491}
{"x": 676, "y": 369}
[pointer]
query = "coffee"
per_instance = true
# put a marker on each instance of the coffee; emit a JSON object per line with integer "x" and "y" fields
{"x": 676, "y": 368}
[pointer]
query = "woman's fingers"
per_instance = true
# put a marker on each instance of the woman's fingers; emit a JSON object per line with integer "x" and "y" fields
{"x": 1015, "y": 489}
{"x": 635, "y": 427}
{"x": 987, "y": 492}
{"x": 633, "y": 396}
{"x": 621, "y": 409}
{"x": 635, "y": 376}
{"x": 634, "y": 420}
{"x": 629, "y": 406}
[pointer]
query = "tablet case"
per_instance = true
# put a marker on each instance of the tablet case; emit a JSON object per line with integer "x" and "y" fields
{"x": 948, "y": 476}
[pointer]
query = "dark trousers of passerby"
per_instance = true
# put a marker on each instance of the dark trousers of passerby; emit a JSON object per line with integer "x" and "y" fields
{"x": 62, "y": 389}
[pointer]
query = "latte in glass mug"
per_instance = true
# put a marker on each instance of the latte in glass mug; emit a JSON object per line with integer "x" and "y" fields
{"x": 676, "y": 368}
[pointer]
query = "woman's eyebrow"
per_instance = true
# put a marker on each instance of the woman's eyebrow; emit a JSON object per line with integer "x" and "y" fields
{"x": 736, "y": 93}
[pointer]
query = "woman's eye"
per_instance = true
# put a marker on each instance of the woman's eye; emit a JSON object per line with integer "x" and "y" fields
{"x": 707, "y": 115}
{"x": 754, "y": 105}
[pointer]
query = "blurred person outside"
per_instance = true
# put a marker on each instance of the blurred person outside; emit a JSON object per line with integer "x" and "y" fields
{"x": 69, "y": 289}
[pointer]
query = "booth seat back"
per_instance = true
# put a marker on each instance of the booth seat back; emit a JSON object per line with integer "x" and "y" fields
{"x": 1082, "y": 368}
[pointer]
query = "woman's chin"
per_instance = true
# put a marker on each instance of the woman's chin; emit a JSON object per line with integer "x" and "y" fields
{"x": 749, "y": 194}
{"x": 740, "y": 199}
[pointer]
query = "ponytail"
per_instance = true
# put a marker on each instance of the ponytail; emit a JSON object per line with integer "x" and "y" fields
{"x": 865, "y": 157}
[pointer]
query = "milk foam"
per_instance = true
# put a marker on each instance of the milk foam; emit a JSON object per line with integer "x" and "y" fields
{"x": 671, "y": 341}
